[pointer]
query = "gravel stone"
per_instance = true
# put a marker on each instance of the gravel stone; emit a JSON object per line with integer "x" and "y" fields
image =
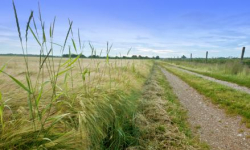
{"x": 213, "y": 125}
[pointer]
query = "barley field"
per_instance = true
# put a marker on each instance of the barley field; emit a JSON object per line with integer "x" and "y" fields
{"x": 76, "y": 106}
{"x": 52, "y": 102}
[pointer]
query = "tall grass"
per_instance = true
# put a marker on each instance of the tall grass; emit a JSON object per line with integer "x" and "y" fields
{"x": 95, "y": 111}
{"x": 231, "y": 70}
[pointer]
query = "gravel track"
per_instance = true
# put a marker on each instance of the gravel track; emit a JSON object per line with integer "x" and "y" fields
{"x": 214, "y": 127}
{"x": 229, "y": 84}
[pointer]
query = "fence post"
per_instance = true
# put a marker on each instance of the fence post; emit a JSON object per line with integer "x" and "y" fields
{"x": 191, "y": 56}
{"x": 242, "y": 54}
{"x": 206, "y": 56}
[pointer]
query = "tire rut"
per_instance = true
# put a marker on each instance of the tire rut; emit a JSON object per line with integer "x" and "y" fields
{"x": 216, "y": 128}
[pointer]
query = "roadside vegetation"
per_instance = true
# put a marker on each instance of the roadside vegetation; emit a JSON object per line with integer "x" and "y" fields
{"x": 226, "y": 70}
{"x": 233, "y": 101}
{"x": 161, "y": 119}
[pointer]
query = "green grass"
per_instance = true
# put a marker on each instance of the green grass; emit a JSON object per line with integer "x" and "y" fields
{"x": 179, "y": 115}
{"x": 162, "y": 120}
{"x": 233, "y": 101}
{"x": 231, "y": 71}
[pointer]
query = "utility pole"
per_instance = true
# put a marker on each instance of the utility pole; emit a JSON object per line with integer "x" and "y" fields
{"x": 206, "y": 56}
{"x": 242, "y": 54}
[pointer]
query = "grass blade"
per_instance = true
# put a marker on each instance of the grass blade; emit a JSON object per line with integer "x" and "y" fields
{"x": 53, "y": 26}
{"x": 17, "y": 22}
{"x": 129, "y": 51}
{"x": 74, "y": 60}
{"x": 28, "y": 25}
{"x": 35, "y": 36}
{"x": 50, "y": 31}
{"x": 18, "y": 82}
{"x": 70, "y": 26}
{"x": 44, "y": 36}
{"x": 1, "y": 111}
{"x": 1, "y": 70}
{"x": 34, "y": 23}
{"x": 62, "y": 72}
{"x": 79, "y": 38}
{"x": 45, "y": 58}
{"x": 74, "y": 44}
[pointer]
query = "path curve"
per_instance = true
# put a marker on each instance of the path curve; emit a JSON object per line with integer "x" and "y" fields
{"x": 216, "y": 128}
{"x": 229, "y": 84}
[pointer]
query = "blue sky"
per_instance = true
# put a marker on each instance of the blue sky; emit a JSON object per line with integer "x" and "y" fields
{"x": 166, "y": 28}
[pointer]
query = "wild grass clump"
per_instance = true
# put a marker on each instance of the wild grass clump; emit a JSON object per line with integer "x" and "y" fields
{"x": 70, "y": 104}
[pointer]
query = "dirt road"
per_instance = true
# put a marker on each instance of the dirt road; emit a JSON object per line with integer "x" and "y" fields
{"x": 229, "y": 84}
{"x": 216, "y": 128}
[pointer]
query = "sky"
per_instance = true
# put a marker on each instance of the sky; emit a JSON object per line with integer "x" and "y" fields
{"x": 167, "y": 28}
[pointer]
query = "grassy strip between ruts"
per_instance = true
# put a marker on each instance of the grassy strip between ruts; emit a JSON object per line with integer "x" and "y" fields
{"x": 224, "y": 77}
{"x": 233, "y": 101}
{"x": 161, "y": 119}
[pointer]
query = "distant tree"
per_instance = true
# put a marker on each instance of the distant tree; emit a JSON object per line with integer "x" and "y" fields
{"x": 157, "y": 57}
{"x": 183, "y": 57}
{"x": 134, "y": 56}
{"x": 73, "y": 56}
{"x": 94, "y": 56}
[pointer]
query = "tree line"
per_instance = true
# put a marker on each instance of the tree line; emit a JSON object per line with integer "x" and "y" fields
{"x": 111, "y": 57}
{"x": 83, "y": 56}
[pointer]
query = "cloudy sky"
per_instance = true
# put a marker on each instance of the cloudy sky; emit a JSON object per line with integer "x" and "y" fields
{"x": 168, "y": 28}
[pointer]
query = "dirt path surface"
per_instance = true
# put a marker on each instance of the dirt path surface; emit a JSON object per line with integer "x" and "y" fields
{"x": 232, "y": 85}
{"x": 216, "y": 128}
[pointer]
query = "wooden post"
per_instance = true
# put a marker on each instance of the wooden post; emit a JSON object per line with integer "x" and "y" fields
{"x": 191, "y": 56}
{"x": 242, "y": 54}
{"x": 206, "y": 56}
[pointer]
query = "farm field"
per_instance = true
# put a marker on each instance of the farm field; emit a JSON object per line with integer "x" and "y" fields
{"x": 96, "y": 74}
{"x": 82, "y": 105}
{"x": 107, "y": 109}
{"x": 113, "y": 84}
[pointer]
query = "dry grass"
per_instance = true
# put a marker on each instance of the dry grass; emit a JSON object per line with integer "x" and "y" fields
{"x": 86, "y": 109}
{"x": 162, "y": 120}
{"x": 73, "y": 103}
{"x": 16, "y": 66}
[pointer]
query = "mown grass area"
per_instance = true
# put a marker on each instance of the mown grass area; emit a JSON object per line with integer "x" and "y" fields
{"x": 233, "y": 101}
{"x": 162, "y": 121}
{"x": 231, "y": 71}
